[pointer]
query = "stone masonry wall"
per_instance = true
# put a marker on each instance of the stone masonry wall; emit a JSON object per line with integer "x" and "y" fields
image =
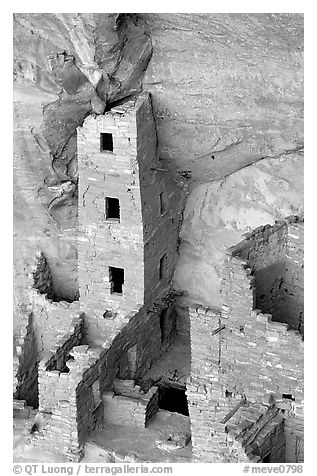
{"x": 275, "y": 255}
{"x": 67, "y": 400}
{"x": 241, "y": 355}
{"x": 140, "y": 333}
{"x": 129, "y": 405}
{"x": 72, "y": 396}
{"x": 53, "y": 365}
{"x": 105, "y": 243}
{"x": 123, "y": 331}
{"x": 161, "y": 202}
{"x": 205, "y": 395}
{"x": 143, "y": 235}
{"x": 52, "y": 320}
{"x": 265, "y": 251}
{"x": 256, "y": 431}
{"x": 229, "y": 370}
{"x": 293, "y": 286}
{"x": 42, "y": 324}
{"x": 259, "y": 357}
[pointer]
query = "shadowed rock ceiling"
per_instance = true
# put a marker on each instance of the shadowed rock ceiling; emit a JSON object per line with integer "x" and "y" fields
{"x": 227, "y": 92}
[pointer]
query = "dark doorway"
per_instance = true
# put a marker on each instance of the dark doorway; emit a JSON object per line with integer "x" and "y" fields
{"x": 106, "y": 142}
{"x": 173, "y": 400}
{"x": 116, "y": 276}
{"x": 112, "y": 209}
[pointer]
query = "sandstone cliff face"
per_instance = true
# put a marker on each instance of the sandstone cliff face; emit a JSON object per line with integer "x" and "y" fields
{"x": 227, "y": 88}
{"x": 227, "y": 93}
{"x": 218, "y": 213}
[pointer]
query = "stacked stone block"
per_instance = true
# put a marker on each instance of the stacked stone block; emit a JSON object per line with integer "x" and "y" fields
{"x": 142, "y": 333}
{"x": 67, "y": 401}
{"x": 42, "y": 324}
{"x": 121, "y": 334}
{"x": 256, "y": 431}
{"x": 267, "y": 355}
{"x": 205, "y": 394}
{"x": 241, "y": 356}
{"x": 275, "y": 256}
{"x": 105, "y": 243}
{"x": 293, "y": 286}
{"x": 136, "y": 242}
{"x": 129, "y": 405}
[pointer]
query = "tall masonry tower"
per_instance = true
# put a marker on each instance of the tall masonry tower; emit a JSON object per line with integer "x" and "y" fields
{"x": 128, "y": 212}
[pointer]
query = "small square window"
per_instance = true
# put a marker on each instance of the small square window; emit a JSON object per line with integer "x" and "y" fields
{"x": 116, "y": 277}
{"x": 106, "y": 142}
{"x": 112, "y": 209}
{"x": 162, "y": 270}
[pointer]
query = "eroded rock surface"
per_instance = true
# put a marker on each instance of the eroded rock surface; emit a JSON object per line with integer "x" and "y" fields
{"x": 218, "y": 213}
{"x": 227, "y": 88}
{"x": 227, "y": 92}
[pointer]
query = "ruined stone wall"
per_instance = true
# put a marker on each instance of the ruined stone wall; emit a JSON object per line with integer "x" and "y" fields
{"x": 239, "y": 354}
{"x": 275, "y": 256}
{"x": 52, "y": 320}
{"x": 205, "y": 395}
{"x": 265, "y": 251}
{"x": 260, "y": 357}
{"x": 52, "y": 367}
{"x": 256, "y": 432}
{"x": 293, "y": 286}
{"x": 67, "y": 400}
{"x": 43, "y": 323}
{"x": 76, "y": 395}
{"x": 134, "y": 343}
{"x": 129, "y": 405}
{"x": 248, "y": 360}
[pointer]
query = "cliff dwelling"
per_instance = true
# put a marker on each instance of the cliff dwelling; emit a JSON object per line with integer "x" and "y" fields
{"x": 159, "y": 238}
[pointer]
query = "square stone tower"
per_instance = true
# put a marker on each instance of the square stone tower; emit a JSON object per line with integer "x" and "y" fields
{"x": 128, "y": 212}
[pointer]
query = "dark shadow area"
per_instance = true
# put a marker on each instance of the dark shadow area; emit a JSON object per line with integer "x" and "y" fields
{"x": 116, "y": 276}
{"x": 44, "y": 283}
{"x": 173, "y": 400}
{"x": 27, "y": 376}
{"x": 112, "y": 208}
{"x": 106, "y": 142}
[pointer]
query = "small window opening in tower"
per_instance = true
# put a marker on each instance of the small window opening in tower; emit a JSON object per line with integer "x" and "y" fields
{"x": 162, "y": 270}
{"x": 163, "y": 203}
{"x": 106, "y": 142}
{"x": 173, "y": 400}
{"x": 112, "y": 209}
{"x": 116, "y": 277}
{"x": 288, "y": 396}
